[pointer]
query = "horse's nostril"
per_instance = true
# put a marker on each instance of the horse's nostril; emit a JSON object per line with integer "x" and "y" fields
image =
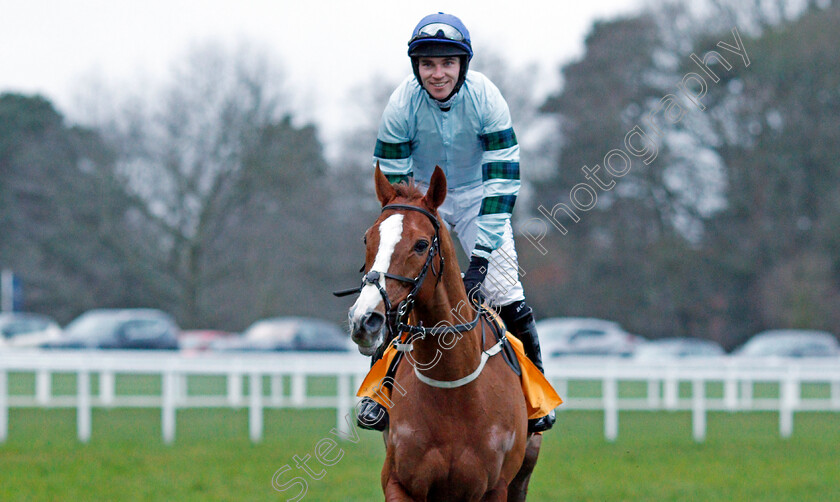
{"x": 373, "y": 321}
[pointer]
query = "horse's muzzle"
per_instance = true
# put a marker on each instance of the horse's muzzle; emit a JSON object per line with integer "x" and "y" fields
{"x": 373, "y": 322}
{"x": 367, "y": 333}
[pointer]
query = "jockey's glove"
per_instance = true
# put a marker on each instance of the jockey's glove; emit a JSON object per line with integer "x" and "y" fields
{"x": 473, "y": 278}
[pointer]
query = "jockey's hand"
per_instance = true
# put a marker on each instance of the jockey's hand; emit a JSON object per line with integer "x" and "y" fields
{"x": 473, "y": 278}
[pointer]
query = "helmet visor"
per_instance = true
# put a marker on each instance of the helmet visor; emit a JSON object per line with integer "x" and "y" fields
{"x": 440, "y": 31}
{"x": 437, "y": 50}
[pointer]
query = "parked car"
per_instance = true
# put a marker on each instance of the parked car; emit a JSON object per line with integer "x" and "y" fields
{"x": 677, "y": 348}
{"x": 23, "y": 329}
{"x": 200, "y": 340}
{"x": 563, "y": 336}
{"x": 790, "y": 343}
{"x": 288, "y": 333}
{"x": 119, "y": 329}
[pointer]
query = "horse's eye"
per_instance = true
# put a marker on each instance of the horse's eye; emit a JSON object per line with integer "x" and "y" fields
{"x": 421, "y": 246}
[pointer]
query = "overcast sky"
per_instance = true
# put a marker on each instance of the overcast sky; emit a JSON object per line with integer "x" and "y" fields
{"x": 326, "y": 47}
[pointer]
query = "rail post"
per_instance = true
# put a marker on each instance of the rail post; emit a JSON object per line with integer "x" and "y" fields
{"x": 167, "y": 409}
{"x": 788, "y": 402}
{"x": 255, "y": 410}
{"x": 106, "y": 387}
{"x": 83, "y": 412}
{"x": 43, "y": 384}
{"x": 4, "y": 406}
{"x": 234, "y": 388}
{"x": 610, "y": 406}
{"x": 344, "y": 402}
{"x": 698, "y": 409}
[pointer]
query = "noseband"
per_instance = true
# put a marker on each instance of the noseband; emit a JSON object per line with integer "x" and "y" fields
{"x": 396, "y": 318}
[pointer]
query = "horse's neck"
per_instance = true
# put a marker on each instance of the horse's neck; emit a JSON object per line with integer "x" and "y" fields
{"x": 457, "y": 353}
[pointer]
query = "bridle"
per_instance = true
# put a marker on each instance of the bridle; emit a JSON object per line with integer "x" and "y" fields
{"x": 397, "y": 319}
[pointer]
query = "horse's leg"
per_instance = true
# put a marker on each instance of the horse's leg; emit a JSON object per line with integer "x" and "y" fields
{"x": 518, "y": 488}
{"x": 394, "y": 492}
{"x": 499, "y": 493}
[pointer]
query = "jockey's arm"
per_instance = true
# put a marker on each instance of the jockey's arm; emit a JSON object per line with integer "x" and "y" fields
{"x": 499, "y": 174}
{"x": 393, "y": 143}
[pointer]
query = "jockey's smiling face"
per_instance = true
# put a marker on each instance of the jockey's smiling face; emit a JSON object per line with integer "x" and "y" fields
{"x": 439, "y": 75}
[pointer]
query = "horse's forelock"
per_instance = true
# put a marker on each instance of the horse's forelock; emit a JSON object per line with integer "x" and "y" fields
{"x": 408, "y": 191}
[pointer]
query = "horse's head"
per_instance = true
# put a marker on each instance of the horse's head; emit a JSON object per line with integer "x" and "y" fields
{"x": 400, "y": 249}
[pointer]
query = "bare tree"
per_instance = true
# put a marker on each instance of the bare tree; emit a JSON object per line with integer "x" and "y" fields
{"x": 213, "y": 160}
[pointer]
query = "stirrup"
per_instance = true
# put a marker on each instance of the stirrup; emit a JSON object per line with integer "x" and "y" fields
{"x": 372, "y": 415}
{"x": 542, "y": 424}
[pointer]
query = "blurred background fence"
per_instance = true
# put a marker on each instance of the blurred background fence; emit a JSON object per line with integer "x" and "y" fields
{"x": 170, "y": 381}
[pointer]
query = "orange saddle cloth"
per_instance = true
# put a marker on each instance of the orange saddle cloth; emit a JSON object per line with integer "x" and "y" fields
{"x": 540, "y": 396}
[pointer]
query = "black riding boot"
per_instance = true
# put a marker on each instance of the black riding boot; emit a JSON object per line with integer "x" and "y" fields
{"x": 372, "y": 415}
{"x": 519, "y": 320}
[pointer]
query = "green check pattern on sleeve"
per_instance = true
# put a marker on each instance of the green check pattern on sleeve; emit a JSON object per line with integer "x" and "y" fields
{"x": 498, "y": 140}
{"x": 385, "y": 150}
{"x": 485, "y": 249}
{"x": 399, "y": 178}
{"x": 499, "y": 204}
{"x": 500, "y": 171}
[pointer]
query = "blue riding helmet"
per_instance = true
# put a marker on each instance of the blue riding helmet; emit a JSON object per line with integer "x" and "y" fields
{"x": 441, "y": 35}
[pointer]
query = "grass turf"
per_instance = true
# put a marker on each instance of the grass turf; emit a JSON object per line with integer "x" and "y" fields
{"x": 654, "y": 458}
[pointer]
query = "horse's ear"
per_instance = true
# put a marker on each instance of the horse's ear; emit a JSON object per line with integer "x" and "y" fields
{"x": 384, "y": 190}
{"x": 436, "y": 193}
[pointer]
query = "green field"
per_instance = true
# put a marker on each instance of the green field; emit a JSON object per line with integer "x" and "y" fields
{"x": 654, "y": 458}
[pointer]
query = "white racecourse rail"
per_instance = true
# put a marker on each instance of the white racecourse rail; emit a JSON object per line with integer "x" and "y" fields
{"x": 661, "y": 381}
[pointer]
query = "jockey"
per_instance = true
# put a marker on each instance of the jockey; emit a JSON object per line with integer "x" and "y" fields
{"x": 449, "y": 116}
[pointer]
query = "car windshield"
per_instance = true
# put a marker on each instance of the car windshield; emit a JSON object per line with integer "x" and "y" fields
{"x": 563, "y": 328}
{"x": 788, "y": 344}
{"x": 143, "y": 329}
{"x": 771, "y": 345}
{"x": 583, "y": 334}
{"x": 14, "y": 327}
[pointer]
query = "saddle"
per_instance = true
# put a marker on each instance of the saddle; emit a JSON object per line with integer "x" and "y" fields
{"x": 540, "y": 396}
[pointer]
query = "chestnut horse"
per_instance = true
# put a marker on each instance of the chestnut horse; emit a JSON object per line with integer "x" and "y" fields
{"x": 458, "y": 425}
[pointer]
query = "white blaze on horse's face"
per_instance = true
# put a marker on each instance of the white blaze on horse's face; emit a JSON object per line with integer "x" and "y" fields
{"x": 390, "y": 233}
